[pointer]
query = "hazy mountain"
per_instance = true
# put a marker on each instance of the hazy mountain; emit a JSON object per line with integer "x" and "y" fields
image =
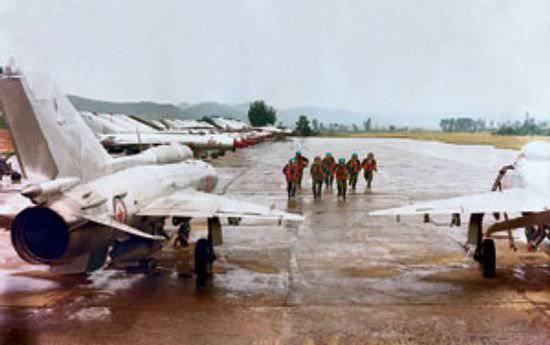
{"x": 184, "y": 110}
{"x": 288, "y": 116}
{"x": 326, "y": 115}
{"x": 199, "y": 110}
{"x": 183, "y": 105}
{"x": 150, "y": 110}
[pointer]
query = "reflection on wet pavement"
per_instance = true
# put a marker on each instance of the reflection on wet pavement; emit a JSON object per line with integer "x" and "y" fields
{"x": 341, "y": 277}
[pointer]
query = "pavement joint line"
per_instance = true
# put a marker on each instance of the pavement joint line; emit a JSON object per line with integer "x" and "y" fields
{"x": 233, "y": 180}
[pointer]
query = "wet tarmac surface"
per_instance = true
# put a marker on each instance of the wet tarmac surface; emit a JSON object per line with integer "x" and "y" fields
{"x": 341, "y": 277}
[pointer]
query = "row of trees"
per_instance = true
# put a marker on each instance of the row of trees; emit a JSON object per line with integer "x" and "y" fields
{"x": 529, "y": 126}
{"x": 306, "y": 128}
{"x": 261, "y": 114}
{"x": 463, "y": 124}
{"x": 340, "y": 127}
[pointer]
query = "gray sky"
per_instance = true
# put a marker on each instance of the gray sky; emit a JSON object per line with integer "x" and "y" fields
{"x": 424, "y": 58}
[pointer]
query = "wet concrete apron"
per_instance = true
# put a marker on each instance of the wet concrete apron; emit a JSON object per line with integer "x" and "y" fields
{"x": 339, "y": 278}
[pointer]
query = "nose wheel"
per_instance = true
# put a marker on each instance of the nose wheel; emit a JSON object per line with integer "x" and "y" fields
{"x": 204, "y": 258}
{"x": 488, "y": 258}
{"x": 485, "y": 252}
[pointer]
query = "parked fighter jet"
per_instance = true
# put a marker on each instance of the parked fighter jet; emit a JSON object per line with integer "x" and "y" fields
{"x": 120, "y": 132}
{"x": 86, "y": 206}
{"x": 522, "y": 189}
{"x": 201, "y": 145}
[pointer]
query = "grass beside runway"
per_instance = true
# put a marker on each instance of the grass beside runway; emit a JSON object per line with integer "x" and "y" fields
{"x": 482, "y": 138}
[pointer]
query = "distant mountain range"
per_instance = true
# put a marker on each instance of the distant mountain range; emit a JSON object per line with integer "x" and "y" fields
{"x": 152, "y": 110}
{"x": 212, "y": 108}
{"x": 148, "y": 110}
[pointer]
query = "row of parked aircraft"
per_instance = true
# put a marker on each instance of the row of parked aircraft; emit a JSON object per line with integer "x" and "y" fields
{"x": 123, "y": 133}
{"x": 81, "y": 208}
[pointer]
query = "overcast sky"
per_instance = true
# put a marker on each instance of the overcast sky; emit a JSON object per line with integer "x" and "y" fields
{"x": 423, "y": 58}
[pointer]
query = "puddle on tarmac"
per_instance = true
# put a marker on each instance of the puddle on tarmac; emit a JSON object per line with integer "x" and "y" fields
{"x": 92, "y": 314}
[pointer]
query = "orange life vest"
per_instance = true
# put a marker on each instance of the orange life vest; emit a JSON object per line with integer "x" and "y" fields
{"x": 317, "y": 172}
{"x": 369, "y": 164}
{"x": 291, "y": 172}
{"x": 353, "y": 166}
{"x": 328, "y": 165}
{"x": 341, "y": 172}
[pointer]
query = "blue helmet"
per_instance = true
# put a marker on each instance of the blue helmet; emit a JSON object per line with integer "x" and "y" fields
{"x": 329, "y": 154}
{"x": 298, "y": 153}
{"x": 291, "y": 160}
{"x": 354, "y": 154}
{"x": 342, "y": 160}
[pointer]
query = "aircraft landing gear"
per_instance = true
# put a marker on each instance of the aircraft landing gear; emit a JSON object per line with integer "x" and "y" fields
{"x": 485, "y": 252}
{"x": 488, "y": 258}
{"x": 204, "y": 251}
{"x": 204, "y": 257}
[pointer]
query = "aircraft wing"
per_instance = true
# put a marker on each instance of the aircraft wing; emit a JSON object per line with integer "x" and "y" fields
{"x": 192, "y": 203}
{"x": 510, "y": 200}
{"x": 12, "y": 206}
{"x": 110, "y": 222}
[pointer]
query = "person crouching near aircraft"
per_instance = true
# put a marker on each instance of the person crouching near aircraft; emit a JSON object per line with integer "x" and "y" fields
{"x": 317, "y": 177}
{"x": 341, "y": 172}
{"x": 302, "y": 163}
{"x": 354, "y": 166}
{"x": 369, "y": 166}
{"x": 291, "y": 175}
{"x": 328, "y": 167}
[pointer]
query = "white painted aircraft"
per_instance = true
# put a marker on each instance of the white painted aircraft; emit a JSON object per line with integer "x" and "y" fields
{"x": 200, "y": 144}
{"x": 120, "y": 132}
{"x": 86, "y": 206}
{"x": 520, "y": 198}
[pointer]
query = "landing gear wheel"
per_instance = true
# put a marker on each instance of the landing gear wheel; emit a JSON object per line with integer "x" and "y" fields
{"x": 204, "y": 257}
{"x": 488, "y": 254}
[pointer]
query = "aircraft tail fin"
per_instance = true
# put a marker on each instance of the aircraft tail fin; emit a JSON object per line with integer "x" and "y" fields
{"x": 50, "y": 137}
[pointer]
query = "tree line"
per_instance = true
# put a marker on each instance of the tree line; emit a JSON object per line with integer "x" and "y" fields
{"x": 260, "y": 114}
{"x": 528, "y": 126}
{"x": 463, "y": 124}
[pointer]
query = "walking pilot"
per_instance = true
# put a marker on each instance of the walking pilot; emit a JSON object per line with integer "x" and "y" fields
{"x": 341, "y": 172}
{"x": 291, "y": 175}
{"x": 328, "y": 167}
{"x": 317, "y": 177}
{"x": 354, "y": 166}
{"x": 369, "y": 166}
